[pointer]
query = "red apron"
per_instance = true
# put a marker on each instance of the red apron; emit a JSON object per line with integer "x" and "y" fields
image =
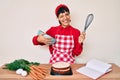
{"x": 63, "y": 49}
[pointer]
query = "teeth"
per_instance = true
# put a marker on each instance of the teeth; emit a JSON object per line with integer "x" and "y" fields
{"x": 65, "y": 21}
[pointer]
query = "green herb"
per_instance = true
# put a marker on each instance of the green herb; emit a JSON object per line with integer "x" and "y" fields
{"x": 20, "y": 63}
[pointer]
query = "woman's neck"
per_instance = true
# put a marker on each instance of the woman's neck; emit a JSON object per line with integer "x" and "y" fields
{"x": 65, "y": 26}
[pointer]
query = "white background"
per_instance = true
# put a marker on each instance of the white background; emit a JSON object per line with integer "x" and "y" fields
{"x": 21, "y": 19}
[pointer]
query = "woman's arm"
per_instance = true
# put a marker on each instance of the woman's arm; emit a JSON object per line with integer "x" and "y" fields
{"x": 35, "y": 41}
{"x": 78, "y": 40}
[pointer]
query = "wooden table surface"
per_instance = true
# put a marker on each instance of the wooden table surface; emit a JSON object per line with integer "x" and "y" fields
{"x": 11, "y": 75}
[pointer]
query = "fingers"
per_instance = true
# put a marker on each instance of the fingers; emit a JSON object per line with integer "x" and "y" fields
{"x": 48, "y": 41}
{"x": 83, "y": 33}
{"x": 82, "y": 37}
{"x": 44, "y": 40}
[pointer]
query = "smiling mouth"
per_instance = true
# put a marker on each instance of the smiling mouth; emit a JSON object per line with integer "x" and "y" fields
{"x": 66, "y": 21}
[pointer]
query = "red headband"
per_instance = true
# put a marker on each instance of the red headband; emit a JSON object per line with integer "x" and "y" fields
{"x": 58, "y": 7}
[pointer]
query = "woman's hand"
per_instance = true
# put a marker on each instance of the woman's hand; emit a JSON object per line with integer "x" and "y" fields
{"x": 44, "y": 40}
{"x": 82, "y": 37}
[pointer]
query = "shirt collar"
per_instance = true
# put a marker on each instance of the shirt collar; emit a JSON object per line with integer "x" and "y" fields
{"x": 61, "y": 27}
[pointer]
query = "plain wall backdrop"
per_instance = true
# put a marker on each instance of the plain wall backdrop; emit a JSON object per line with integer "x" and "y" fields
{"x": 21, "y": 19}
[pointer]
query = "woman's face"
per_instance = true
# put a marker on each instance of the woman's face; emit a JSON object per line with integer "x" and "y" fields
{"x": 64, "y": 19}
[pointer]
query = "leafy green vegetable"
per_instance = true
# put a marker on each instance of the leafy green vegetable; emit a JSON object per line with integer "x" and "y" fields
{"x": 20, "y": 63}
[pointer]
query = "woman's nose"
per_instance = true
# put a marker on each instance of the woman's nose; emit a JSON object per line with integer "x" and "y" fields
{"x": 65, "y": 17}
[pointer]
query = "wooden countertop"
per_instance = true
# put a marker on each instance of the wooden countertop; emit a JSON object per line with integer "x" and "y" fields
{"x": 11, "y": 75}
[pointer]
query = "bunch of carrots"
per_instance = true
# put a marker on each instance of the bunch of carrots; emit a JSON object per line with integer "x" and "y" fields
{"x": 37, "y": 72}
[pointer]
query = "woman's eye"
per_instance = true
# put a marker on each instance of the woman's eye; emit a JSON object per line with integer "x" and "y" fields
{"x": 67, "y": 14}
{"x": 61, "y": 16}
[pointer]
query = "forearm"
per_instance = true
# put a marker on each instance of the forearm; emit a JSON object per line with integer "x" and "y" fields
{"x": 77, "y": 49}
{"x": 35, "y": 42}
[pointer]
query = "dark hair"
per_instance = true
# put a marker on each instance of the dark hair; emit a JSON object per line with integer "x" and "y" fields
{"x": 62, "y": 10}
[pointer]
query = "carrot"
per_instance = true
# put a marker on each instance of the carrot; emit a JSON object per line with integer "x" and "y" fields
{"x": 36, "y": 69}
{"x": 37, "y": 73}
{"x": 41, "y": 70}
{"x": 33, "y": 76}
{"x": 40, "y": 76}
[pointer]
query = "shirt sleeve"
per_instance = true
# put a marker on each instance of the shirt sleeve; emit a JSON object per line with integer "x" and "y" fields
{"x": 51, "y": 32}
{"x": 78, "y": 47}
{"x": 35, "y": 42}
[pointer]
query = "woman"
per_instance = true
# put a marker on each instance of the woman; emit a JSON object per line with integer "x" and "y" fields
{"x": 69, "y": 40}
